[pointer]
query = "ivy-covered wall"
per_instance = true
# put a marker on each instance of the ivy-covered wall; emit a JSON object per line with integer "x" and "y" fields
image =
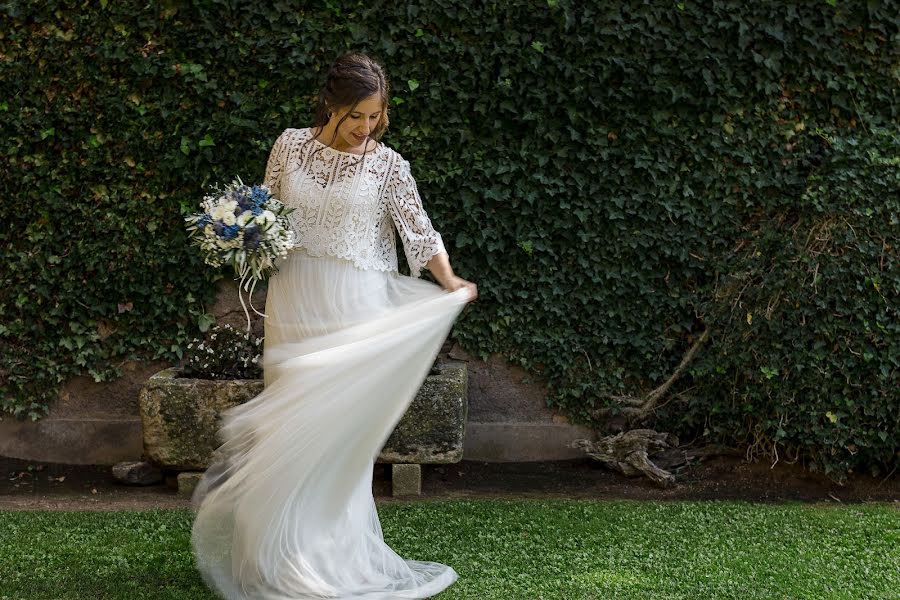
{"x": 617, "y": 177}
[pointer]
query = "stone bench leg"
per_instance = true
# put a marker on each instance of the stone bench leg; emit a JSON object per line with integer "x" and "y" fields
{"x": 187, "y": 482}
{"x": 406, "y": 480}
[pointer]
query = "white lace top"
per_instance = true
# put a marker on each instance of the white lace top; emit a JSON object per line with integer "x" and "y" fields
{"x": 345, "y": 205}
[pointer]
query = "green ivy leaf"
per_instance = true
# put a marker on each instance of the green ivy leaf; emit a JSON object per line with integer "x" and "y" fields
{"x": 205, "y": 321}
{"x": 185, "y": 145}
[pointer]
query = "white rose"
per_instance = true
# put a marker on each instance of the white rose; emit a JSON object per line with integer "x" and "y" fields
{"x": 229, "y": 219}
{"x": 268, "y": 215}
{"x": 245, "y": 218}
{"x": 217, "y": 213}
{"x": 230, "y": 206}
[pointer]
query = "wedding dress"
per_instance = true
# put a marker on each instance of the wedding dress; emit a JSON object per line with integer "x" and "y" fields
{"x": 285, "y": 511}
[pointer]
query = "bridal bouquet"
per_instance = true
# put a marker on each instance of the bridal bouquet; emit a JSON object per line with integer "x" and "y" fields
{"x": 245, "y": 227}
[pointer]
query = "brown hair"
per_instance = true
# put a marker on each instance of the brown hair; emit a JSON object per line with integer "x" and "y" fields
{"x": 353, "y": 77}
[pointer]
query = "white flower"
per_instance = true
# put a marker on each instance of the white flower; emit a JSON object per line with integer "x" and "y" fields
{"x": 230, "y": 206}
{"x": 217, "y": 212}
{"x": 229, "y": 218}
{"x": 245, "y": 217}
{"x": 266, "y": 216}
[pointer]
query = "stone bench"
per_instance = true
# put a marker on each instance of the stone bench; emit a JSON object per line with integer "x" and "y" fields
{"x": 180, "y": 419}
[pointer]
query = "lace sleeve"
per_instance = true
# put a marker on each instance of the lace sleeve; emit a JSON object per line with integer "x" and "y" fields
{"x": 420, "y": 240}
{"x": 275, "y": 164}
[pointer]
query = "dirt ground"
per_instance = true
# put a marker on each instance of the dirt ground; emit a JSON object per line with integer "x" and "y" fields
{"x": 47, "y": 486}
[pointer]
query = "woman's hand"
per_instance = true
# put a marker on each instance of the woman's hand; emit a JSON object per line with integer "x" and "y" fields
{"x": 439, "y": 265}
{"x": 454, "y": 282}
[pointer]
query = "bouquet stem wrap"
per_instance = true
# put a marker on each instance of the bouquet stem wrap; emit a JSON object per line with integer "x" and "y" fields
{"x": 247, "y": 284}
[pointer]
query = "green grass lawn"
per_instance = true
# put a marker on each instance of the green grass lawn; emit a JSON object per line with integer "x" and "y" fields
{"x": 504, "y": 550}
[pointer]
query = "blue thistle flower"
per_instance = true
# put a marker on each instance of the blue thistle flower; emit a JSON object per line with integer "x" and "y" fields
{"x": 242, "y": 194}
{"x": 230, "y": 231}
{"x": 258, "y": 196}
{"x": 251, "y": 237}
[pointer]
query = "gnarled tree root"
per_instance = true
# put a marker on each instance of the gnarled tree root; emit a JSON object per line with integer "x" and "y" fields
{"x": 629, "y": 453}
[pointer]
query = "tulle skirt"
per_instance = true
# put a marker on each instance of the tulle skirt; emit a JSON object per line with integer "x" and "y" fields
{"x": 285, "y": 511}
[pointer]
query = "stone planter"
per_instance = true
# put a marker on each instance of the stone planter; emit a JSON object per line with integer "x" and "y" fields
{"x": 432, "y": 430}
{"x": 434, "y": 426}
{"x": 180, "y": 420}
{"x": 180, "y": 416}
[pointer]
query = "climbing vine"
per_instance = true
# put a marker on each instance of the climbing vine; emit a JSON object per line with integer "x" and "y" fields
{"x": 619, "y": 178}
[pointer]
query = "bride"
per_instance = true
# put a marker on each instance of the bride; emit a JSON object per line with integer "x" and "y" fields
{"x": 285, "y": 511}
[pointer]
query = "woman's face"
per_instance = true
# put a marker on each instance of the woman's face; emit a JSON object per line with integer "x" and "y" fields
{"x": 354, "y": 131}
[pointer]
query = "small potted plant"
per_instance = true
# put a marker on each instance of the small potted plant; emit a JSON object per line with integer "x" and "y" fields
{"x": 223, "y": 353}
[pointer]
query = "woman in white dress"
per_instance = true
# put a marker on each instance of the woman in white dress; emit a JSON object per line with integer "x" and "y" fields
{"x": 286, "y": 511}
